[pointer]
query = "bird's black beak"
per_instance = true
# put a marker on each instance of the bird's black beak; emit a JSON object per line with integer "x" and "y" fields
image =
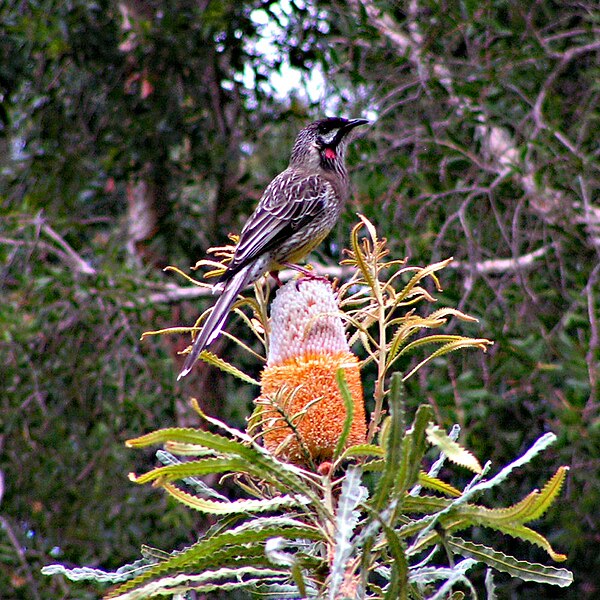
{"x": 346, "y": 129}
{"x": 352, "y": 123}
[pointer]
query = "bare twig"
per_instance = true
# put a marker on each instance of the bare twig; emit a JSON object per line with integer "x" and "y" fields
{"x": 499, "y": 146}
{"x": 594, "y": 346}
{"x": 591, "y": 216}
{"x": 68, "y": 255}
{"x": 175, "y": 293}
{"x": 502, "y": 265}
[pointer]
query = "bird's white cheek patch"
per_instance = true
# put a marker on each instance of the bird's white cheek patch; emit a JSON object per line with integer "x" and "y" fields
{"x": 329, "y": 153}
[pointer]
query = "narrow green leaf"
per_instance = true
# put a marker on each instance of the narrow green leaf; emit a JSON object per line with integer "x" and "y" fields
{"x": 393, "y": 446}
{"x": 257, "y": 461}
{"x": 223, "y": 365}
{"x": 359, "y": 256}
{"x": 509, "y": 564}
{"x": 417, "y": 448}
{"x": 172, "y": 269}
{"x": 398, "y": 586}
{"x": 347, "y": 516}
{"x": 480, "y": 343}
{"x": 528, "y": 509}
{"x": 192, "y": 468}
{"x": 398, "y": 580}
{"x": 167, "y": 459}
{"x": 184, "y": 435}
{"x": 421, "y": 274}
{"x": 200, "y": 554}
{"x": 368, "y": 450}
{"x": 349, "y": 405}
{"x": 433, "y": 483}
{"x": 166, "y": 331}
{"x": 453, "y": 451}
{"x": 533, "y": 537}
{"x": 546, "y": 497}
{"x": 236, "y": 507}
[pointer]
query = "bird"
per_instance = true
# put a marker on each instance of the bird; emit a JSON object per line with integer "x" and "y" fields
{"x": 294, "y": 215}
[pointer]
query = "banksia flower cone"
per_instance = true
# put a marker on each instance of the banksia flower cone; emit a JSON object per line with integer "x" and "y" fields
{"x": 303, "y": 412}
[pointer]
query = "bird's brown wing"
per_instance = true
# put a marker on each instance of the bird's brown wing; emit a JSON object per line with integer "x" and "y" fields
{"x": 290, "y": 202}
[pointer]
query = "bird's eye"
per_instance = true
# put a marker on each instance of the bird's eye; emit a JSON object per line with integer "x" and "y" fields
{"x": 327, "y": 137}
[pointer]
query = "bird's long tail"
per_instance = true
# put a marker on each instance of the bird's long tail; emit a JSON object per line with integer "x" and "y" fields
{"x": 216, "y": 320}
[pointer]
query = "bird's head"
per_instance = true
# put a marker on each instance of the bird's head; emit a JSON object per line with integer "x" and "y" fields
{"x": 323, "y": 143}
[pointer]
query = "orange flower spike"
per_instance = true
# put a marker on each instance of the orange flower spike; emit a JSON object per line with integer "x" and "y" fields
{"x": 303, "y": 410}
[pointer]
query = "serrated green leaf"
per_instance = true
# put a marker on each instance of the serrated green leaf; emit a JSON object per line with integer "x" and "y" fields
{"x": 167, "y": 459}
{"x": 433, "y": 483}
{"x": 430, "y": 271}
{"x": 398, "y": 574}
{"x": 347, "y": 516}
{"x": 205, "y": 582}
{"x": 235, "y": 507}
{"x": 398, "y": 585}
{"x": 181, "y": 449}
{"x": 509, "y": 564}
{"x": 468, "y": 516}
{"x": 192, "y": 468}
{"x": 256, "y": 460}
{"x": 546, "y": 497}
{"x": 530, "y": 508}
{"x": 425, "y": 505}
{"x": 186, "y": 436}
{"x": 358, "y": 252}
{"x": 437, "y": 338}
{"x": 416, "y": 448}
{"x": 394, "y": 454}
{"x": 223, "y": 365}
{"x": 198, "y": 555}
{"x": 453, "y": 451}
{"x": 349, "y": 406}
{"x": 480, "y": 343}
{"x": 529, "y": 535}
{"x": 368, "y": 450}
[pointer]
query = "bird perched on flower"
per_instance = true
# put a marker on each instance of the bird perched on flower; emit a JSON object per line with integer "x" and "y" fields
{"x": 296, "y": 212}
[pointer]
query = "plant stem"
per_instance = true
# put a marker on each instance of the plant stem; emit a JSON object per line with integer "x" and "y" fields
{"x": 379, "y": 393}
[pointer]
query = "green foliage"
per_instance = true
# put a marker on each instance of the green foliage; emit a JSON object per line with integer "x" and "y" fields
{"x": 368, "y": 525}
{"x": 185, "y": 101}
{"x": 75, "y": 383}
{"x": 374, "y": 537}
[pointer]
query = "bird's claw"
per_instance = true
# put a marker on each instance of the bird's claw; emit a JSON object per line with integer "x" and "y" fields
{"x": 308, "y": 276}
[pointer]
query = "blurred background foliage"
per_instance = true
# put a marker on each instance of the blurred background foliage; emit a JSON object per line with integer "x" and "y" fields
{"x": 136, "y": 134}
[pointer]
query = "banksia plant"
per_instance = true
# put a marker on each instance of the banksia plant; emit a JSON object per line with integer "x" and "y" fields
{"x": 324, "y": 512}
{"x": 301, "y": 409}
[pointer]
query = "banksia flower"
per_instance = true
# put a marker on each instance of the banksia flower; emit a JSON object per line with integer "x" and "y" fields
{"x": 302, "y": 409}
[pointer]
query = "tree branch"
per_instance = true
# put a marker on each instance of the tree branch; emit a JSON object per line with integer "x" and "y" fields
{"x": 68, "y": 255}
{"x": 502, "y": 265}
{"x": 497, "y": 143}
{"x": 175, "y": 293}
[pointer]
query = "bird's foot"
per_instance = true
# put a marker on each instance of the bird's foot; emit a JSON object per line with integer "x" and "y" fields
{"x": 275, "y": 276}
{"x": 307, "y": 274}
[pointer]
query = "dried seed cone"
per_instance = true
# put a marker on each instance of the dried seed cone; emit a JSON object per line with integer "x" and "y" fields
{"x": 308, "y": 346}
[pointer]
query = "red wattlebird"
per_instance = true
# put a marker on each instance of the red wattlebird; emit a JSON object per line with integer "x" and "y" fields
{"x": 296, "y": 212}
